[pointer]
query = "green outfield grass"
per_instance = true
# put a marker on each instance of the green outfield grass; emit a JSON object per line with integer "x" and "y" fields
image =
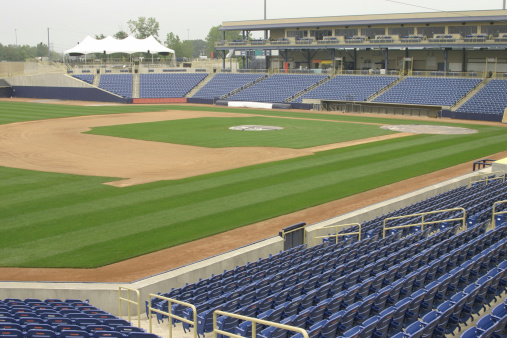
{"x": 57, "y": 220}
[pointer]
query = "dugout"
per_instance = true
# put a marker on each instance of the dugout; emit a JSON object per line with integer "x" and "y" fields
{"x": 382, "y": 108}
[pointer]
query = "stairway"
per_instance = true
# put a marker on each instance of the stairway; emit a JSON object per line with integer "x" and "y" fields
{"x": 386, "y": 88}
{"x": 96, "y": 80}
{"x": 135, "y": 85}
{"x": 470, "y": 94}
{"x": 201, "y": 84}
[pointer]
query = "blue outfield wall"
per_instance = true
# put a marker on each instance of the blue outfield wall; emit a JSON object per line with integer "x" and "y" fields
{"x": 472, "y": 116}
{"x": 200, "y": 101}
{"x": 67, "y": 93}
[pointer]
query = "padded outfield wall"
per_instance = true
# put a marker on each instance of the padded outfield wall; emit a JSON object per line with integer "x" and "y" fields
{"x": 105, "y": 295}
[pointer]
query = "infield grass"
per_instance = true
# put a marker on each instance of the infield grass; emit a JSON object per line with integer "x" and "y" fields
{"x": 214, "y": 132}
{"x": 58, "y": 220}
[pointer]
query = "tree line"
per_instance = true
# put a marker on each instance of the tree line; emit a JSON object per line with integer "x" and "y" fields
{"x": 140, "y": 28}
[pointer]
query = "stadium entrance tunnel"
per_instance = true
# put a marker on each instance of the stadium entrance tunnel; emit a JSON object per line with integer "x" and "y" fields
{"x": 428, "y": 129}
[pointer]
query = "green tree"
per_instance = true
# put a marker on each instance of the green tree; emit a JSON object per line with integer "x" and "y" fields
{"x": 199, "y": 48}
{"x": 144, "y": 27}
{"x": 100, "y": 36}
{"x": 173, "y": 41}
{"x": 214, "y": 36}
{"x": 187, "y": 49}
{"x": 120, "y": 35}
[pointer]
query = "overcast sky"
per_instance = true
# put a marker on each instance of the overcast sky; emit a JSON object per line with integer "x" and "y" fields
{"x": 69, "y": 21}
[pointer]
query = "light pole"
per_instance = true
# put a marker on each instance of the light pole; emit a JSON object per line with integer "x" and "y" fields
{"x": 16, "y": 34}
{"x": 188, "y": 33}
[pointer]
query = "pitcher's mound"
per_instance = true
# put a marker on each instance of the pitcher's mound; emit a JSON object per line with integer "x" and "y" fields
{"x": 428, "y": 129}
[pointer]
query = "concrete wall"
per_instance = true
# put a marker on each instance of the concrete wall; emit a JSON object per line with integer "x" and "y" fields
{"x": 105, "y": 295}
{"x": 48, "y": 80}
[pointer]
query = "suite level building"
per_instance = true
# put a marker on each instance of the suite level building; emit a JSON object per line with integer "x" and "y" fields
{"x": 461, "y": 41}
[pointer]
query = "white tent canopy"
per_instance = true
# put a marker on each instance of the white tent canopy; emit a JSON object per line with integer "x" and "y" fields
{"x": 110, "y": 45}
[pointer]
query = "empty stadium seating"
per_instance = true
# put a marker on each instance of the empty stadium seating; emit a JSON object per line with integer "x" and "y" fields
{"x": 491, "y": 99}
{"x": 348, "y": 87}
{"x": 224, "y": 83}
{"x": 70, "y": 318}
{"x": 409, "y": 284}
{"x": 168, "y": 85}
{"x": 430, "y": 91}
{"x": 88, "y": 78}
{"x": 277, "y": 88}
{"x": 120, "y": 84}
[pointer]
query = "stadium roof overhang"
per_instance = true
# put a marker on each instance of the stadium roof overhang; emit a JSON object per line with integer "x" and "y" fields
{"x": 110, "y": 45}
{"x": 361, "y": 20}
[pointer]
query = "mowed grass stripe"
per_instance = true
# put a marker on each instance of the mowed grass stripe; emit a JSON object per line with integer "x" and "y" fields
{"x": 274, "y": 192}
{"x": 157, "y": 215}
{"x": 196, "y": 228}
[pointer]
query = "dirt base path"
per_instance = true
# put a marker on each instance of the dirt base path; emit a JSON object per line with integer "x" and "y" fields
{"x": 164, "y": 260}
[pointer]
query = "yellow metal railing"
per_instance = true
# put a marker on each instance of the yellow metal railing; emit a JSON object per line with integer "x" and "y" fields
{"x": 254, "y": 321}
{"x": 129, "y": 302}
{"x": 423, "y": 222}
{"x": 494, "y": 213}
{"x": 336, "y": 235}
{"x": 170, "y": 315}
{"x": 485, "y": 177}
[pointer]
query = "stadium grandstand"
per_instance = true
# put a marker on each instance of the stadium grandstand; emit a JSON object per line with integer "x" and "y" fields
{"x": 430, "y": 263}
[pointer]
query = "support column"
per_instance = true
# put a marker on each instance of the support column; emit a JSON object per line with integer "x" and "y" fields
{"x": 464, "y": 60}
{"x": 355, "y": 59}
{"x": 309, "y": 58}
{"x": 445, "y": 60}
{"x": 333, "y": 53}
{"x": 386, "y": 59}
{"x": 223, "y": 60}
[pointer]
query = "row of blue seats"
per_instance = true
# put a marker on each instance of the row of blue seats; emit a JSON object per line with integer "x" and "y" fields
{"x": 277, "y": 88}
{"x": 53, "y": 318}
{"x": 42, "y": 333}
{"x": 168, "y": 85}
{"x": 472, "y": 189}
{"x": 433, "y": 91}
{"x": 88, "y": 78}
{"x": 493, "y": 324}
{"x": 352, "y": 278}
{"x": 223, "y": 83}
{"x": 492, "y": 99}
{"x": 408, "y": 309}
{"x": 351, "y": 88}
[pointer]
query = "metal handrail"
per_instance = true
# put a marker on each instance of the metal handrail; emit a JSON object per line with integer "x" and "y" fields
{"x": 339, "y": 235}
{"x": 171, "y": 315}
{"x": 494, "y": 213}
{"x": 254, "y": 321}
{"x": 423, "y": 223}
{"x": 129, "y": 301}
{"x": 487, "y": 179}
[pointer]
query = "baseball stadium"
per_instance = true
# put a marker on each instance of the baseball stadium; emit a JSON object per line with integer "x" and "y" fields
{"x": 345, "y": 179}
